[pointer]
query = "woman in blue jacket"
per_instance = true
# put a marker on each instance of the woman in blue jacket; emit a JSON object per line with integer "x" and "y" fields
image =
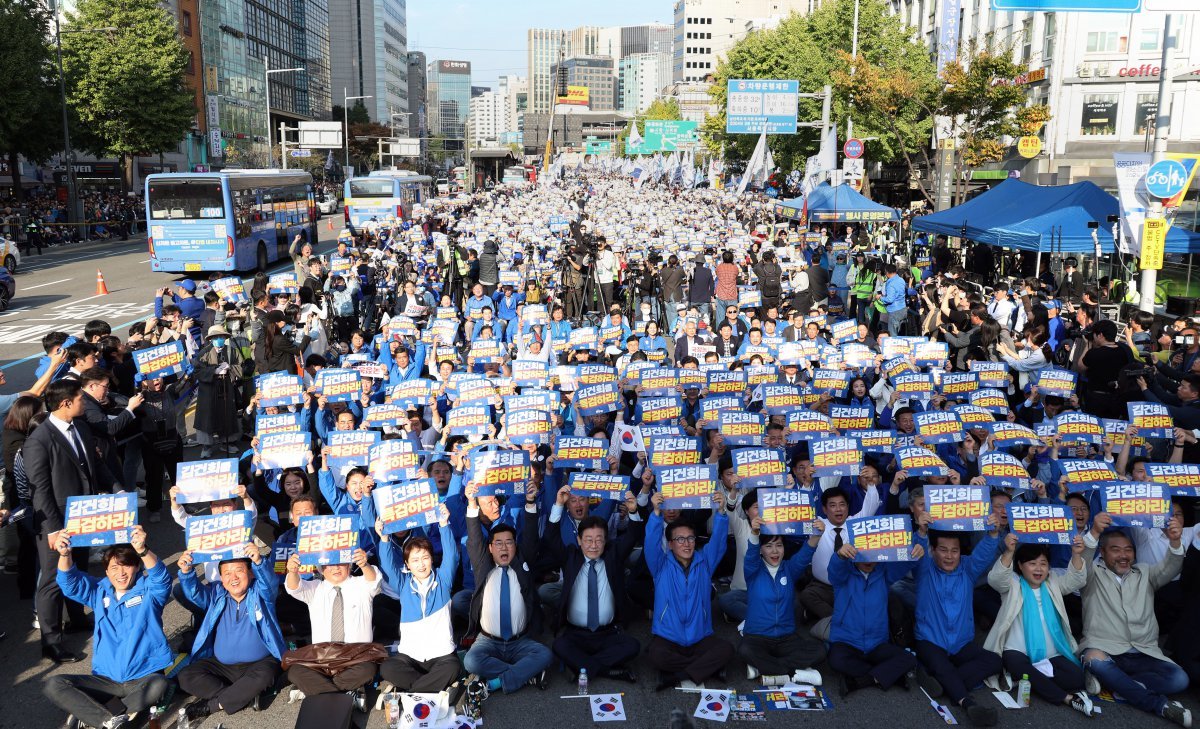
{"x": 426, "y": 661}
{"x": 130, "y": 650}
{"x": 770, "y": 645}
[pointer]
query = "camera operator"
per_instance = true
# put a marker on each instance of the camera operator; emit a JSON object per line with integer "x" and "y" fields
{"x": 647, "y": 284}
{"x": 574, "y": 274}
{"x": 1103, "y": 364}
{"x": 1185, "y": 352}
{"x": 672, "y": 277}
{"x": 606, "y": 272}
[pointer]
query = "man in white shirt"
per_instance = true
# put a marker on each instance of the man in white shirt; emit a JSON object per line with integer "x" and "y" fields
{"x": 340, "y": 608}
{"x": 1005, "y": 311}
{"x": 606, "y": 271}
{"x": 817, "y": 595}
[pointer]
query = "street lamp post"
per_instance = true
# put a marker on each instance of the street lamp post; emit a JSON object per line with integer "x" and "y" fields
{"x": 346, "y": 120}
{"x": 267, "y": 71}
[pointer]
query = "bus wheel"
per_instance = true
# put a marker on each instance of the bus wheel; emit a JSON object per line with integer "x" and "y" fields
{"x": 10, "y": 263}
{"x": 262, "y": 257}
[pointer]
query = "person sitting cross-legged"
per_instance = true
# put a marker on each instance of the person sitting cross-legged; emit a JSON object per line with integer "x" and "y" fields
{"x": 239, "y": 644}
{"x": 130, "y": 649}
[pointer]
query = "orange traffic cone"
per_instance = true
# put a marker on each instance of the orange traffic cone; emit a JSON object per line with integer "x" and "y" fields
{"x": 331, "y": 224}
{"x": 101, "y": 287}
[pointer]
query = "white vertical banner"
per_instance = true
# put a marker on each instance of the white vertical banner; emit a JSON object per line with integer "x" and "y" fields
{"x": 756, "y": 168}
{"x": 1131, "y": 168}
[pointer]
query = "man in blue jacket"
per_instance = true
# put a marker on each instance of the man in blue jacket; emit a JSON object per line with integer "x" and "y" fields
{"x": 683, "y": 648}
{"x": 945, "y": 629}
{"x": 129, "y": 648}
{"x": 239, "y": 645}
{"x": 893, "y": 299}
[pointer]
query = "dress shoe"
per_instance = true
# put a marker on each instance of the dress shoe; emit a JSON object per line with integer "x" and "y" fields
{"x": 197, "y": 711}
{"x": 58, "y": 654}
{"x": 622, "y": 674}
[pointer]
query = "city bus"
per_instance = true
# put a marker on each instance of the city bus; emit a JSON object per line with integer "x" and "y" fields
{"x": 233, "y": 220}
{"x": 384, "y": 194}
{"x": 519, "y": 175}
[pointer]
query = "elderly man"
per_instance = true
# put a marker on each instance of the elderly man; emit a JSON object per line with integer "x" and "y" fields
{"x": 1120, "y": 632}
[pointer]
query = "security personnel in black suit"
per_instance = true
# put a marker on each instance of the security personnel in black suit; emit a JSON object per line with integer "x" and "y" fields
{"x": 592, "y": 608}
{"x": 60, "y": 460}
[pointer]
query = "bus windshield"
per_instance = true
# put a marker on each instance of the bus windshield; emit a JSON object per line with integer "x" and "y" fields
{"x": 371, "y": 187}
{"x": 186, "y": 200}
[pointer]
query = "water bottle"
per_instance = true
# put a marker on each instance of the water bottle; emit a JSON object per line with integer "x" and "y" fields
{"x": 182, "y": 722}
{"x": 583, "y": 689}
{"x": 153, "y": 723}
{"x": 1023, "y": 691}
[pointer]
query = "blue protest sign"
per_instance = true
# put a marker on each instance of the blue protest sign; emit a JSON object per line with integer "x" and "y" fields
{"x": 881, "y": 538}
{"x": 322, "y": 540}
{"x": 219, "y": 536}
{"x": 100, "y": 520}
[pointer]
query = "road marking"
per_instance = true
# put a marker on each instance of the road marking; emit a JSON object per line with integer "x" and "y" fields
{"x": 76, "y": 301}
{"x": 146, "y": 261}
{"x": 31, "y": 288}
{"x": 25, "y": 268}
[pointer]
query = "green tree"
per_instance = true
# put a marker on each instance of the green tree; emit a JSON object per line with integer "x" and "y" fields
{"x": 659, "y": 110}
{"x": 358, "y": 113}
{"x": 126, "y": 82}
{"x": 31, "y": 104}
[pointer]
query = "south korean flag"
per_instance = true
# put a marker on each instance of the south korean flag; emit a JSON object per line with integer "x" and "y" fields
{"x": 460, "y": 721}
{"x": 608, "y": 707}
{"x": 420, "y": 711}
{"x": 714, "y": 706}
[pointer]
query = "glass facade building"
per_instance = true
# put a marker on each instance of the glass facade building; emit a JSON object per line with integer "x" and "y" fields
{"x": 293, "y": 34}
{"x": 449, "y": 90}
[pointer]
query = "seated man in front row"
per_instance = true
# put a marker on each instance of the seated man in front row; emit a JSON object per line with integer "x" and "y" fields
{"x": 130, "y": 650}
{"x": 239, "y": 645}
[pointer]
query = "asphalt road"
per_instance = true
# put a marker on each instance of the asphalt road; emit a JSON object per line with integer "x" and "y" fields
{"x": 56, "y": 291}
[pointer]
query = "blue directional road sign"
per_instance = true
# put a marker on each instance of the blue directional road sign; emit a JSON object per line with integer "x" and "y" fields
{"x": 754, "y": 106}
{"x": 1166, "y": 178}
{"x": 1063, "y": 6}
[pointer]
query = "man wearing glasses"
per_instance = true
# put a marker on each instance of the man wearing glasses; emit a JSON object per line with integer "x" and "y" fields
{"x": 683, "y": 648}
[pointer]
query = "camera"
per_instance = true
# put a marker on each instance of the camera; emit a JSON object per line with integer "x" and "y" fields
{"x": 1127, "y": 378}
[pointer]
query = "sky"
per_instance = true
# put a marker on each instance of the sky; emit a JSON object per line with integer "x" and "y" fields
{"x": 491, "y": 33}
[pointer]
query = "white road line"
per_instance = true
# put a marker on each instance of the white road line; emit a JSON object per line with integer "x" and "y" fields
{"x": 31, "y": 288}
{"x": 77, "y": 301}
{"x": 99, "y": 254}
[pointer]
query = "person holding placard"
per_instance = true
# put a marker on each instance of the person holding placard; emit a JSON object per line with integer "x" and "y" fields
{"x": 770, "y": 645}
{"x": 817, "y": 596}
{"x": 1033, "y": 632}
{"x": 945, "y": 628}
{"x": 684, "y": 649}
{"x": 1120, "y": 633}
{"x": 130, "y": 650}
{"x": 425, "y": 661}
{"x": 235, "y": 656}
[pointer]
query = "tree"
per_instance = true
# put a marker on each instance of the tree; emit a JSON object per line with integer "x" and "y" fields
{"x": 364, "y": 153}
{"x": 358, "y": 113}
{"x": 126, "y": 82}
{"x": 31, "y": 102}
{"x": 659, "y": 110}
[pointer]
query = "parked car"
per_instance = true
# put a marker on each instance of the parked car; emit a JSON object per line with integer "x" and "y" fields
{"x": 443, "y": 186}
{"x": 327, "y": 205}
{"x": 10, "y": 254}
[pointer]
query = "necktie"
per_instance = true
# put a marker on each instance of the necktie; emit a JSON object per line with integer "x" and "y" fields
{"x": 80, "y": 453}
{"x": 593, "y": 597}
{"x": 337, "y": 624}
{"x": 837, "y": 539}
{"x": 505, "y": 605}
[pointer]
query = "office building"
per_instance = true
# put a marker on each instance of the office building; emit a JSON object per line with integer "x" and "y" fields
{"x": 596, "y": 74}
{"x": 292, "y": 34}
{"x": 486, "y": 119}
{"x": 368, "y": 40}
{"x": 235, "y": 115}
{"x": 417, "y": 95}
{"x": 643, "y": 78}
{"x": 448, "y": 99}
{"x": 546, "y": 46}
{"x": 706, "y": 29}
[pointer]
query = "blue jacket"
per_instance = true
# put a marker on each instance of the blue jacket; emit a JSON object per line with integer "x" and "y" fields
{"x": 945, "y": 600}
{"x": 341, "y": 502}
{"x": 860, "y": 602}
{"x": 771, "y": 600}
{"x": 894, "y": 291}
{"x": 212, "y": 599}
{"x": 683, "y": 598}
{"x": 391, "y": 561}
{"x": 128, "y": 640}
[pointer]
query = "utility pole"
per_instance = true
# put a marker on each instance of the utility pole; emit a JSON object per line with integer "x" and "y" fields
{"x": 853, "y": 64}
{"x": 1162, "y": 129}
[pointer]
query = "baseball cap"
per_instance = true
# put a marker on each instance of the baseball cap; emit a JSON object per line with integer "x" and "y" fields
{"x": 187, "y": 285}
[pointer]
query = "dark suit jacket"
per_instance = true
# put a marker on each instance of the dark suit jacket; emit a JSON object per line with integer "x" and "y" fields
{"x": 482, "y": 564}
{"x": 570, "y": 558}
{"x": 54, "y": 474}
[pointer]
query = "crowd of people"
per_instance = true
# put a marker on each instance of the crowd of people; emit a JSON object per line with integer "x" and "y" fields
{"x": 40, "y": 220}
{"x": 551, "y": 295}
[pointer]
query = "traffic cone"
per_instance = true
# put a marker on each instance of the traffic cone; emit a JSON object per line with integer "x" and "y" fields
{"x": 101, "y": 287}
{"x": 331, "y": 224}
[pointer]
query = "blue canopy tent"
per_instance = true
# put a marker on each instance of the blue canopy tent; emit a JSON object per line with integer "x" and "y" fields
{"x": 841, "y": 204}
{"x": 1016, "y": 214}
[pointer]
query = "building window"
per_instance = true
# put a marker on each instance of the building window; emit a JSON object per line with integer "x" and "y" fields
{"x": 1107, "y": 41}
{"x": 185, "y": 22}
{"x": 1049, "y": 31}
{"x": 1099, "y": 116}
{"x": 1144, "y": 113}
{"x": 190, "y": 69}
{"x": 1148, "y": 39}
{"x": 1026, "y": 40}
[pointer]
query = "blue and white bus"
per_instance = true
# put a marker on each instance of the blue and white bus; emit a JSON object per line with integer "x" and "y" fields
{"x": 384, "y": 194}
{"x": 234, "y": 220}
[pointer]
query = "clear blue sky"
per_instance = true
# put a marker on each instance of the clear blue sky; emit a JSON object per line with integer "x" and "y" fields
{"x": 491, "y": 33}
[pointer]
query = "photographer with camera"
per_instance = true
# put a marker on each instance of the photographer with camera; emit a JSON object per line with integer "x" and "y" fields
{"x": 1103, "y": 365}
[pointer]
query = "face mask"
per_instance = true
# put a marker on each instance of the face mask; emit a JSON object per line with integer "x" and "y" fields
{"x": 219, "y": 342}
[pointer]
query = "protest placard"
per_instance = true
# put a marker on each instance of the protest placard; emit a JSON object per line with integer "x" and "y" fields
{"x": 219, "y": 536}
{"x": 914, "y": 385}
{"x": 1152, "y": 419}
{"x": 1145, "y": 505}
{"x": 1077, "y": 427}
{"x": 160, "y": 360}
{"x": 284, "y": 450}
{"x": 688, "y": 487}
{"x": 411, "y": 394}
{"x": 958, "y": 385}
{"x": 832, "y": 382}
{"x": 991, "y": 374}
{"x": 1056, "y": 382}
{"x": 278, "y": 423}
{"x": 1041, "y": 523}
{"x": 1003, "y": 471}
{"x": 1183, "y": 478}
{"x": 283, "y": 283}
{"x": 606, "y": 486}
{"x": 788, "y": 512}
{"x": 279, "y": 389}
{"x": 881, "y": 538}
{"x": 973, "y": 416}
{"x": 657, "y": 381}
{"x": 523, "y": 427}
{"x": 1082, "y": 474}
{"x": 1011, "y": 435}
{"x": 989, "y": 399}
{"x": 712, "y": 406}
{"x": 404, "y": 506}
{"x": 394, "y": 460}
{"x": 873, "y": 441}
{"x": 350, "y": 448}
{"x": 740, "y": 428}
{"x": 957, "y": 508}
{"x": 919, "y": 461}
{"x": 231, "y": 290}
{"x": 597, "y": 399}
{"x": 575, "y": 452}
{"x": 469, "y": 420}
{"x": 339, "y": 385}
{"x": 837, "y": 456}
{"x": 203, "y": 481}
{"x": 385, "y": 414}
{"x": 721, "y": 382}
{"x": 530, "y": 372}
{"x": 500, "y": 472}
{"x": 100, "y": 520}
{"x": 323, "y": 540}
{"x": 760, "y": 467}
{"x": 672, "y": 450}
{"x": 939, "y": 426}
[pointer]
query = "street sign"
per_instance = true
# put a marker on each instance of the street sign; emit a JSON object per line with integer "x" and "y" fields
{"x": 1154, "y": 243}
{"x": 215, "y": 149}
{"x": 300, "y": 153}
{"x": 592, "y": 146}
{"x": 1166, "y": 178}
{"x": 403, "y": 147}
{"x": 854, "y": 148}
{"x": 1063, "y": 6}
{"x": 320, "y": 135}
{"x": 669, "y": 136}
{"x": 753, "y": 106}
{"x": 1029, "y": 146}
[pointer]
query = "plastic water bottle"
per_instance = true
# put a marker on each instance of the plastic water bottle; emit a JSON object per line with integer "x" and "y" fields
{"x": 583, "y": 689}
{"x": 182, "y": 722}
{"x": 154, "y": 722}
{"x": 1023, "y": 691}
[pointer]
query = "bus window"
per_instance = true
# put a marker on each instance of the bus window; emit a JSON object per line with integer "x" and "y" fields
{"x": 370, "y": 187}
{"x": 186, "y": 201}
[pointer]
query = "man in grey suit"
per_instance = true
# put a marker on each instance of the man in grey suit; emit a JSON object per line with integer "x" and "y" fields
{"x": 60, "y": 460}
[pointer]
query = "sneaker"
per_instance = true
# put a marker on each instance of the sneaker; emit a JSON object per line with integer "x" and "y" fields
{"x": 73, "y": 723}
{"x": 909, "y": 682}
{"x": 1176, "y": 712}
{"x": 1091, "y": 684}
{"x": 295, "y": 695}
{"x": 929, "y": 683}
{"x": 775, "y": 680}
{"x": 979, "y": 715}
{"x": 492, "y": 686}
{"x": 141, "y": 502}
{"x": 1082, "y": 703}
{"x": 687, "y": 683}
{"x": 809, "y": 676}
{"x": 540, "y": 680}
{"x": 751, "y": 672}
{"x": 116, "y": 722}
{"x": 37, "y": 625}
{"x": 844, "y": 686}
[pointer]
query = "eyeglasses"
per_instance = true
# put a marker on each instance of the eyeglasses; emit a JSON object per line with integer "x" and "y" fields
{"x": 684, "y": 540}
